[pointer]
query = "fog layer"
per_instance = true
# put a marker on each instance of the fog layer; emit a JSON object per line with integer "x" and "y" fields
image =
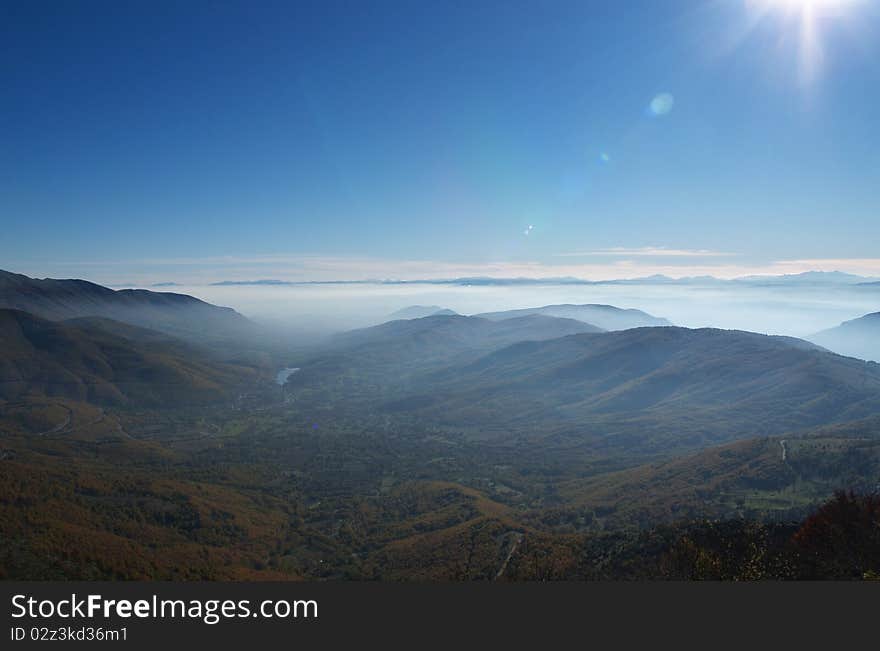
{"x": 797, "y": 311}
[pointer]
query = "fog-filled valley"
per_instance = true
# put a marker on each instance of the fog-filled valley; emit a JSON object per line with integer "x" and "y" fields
{"x": 443, "y": 431}
{"x": 797, "y": 309}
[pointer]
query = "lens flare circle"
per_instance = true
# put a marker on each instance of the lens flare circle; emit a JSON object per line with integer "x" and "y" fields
{"x": 661, "y": 104}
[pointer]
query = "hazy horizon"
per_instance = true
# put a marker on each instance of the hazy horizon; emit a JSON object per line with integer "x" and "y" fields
{"x": 798, "y": 312}
{"x": 791, "y": 308}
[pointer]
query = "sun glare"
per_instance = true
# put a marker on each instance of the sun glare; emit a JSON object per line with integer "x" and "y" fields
{"x": 801, "y": 4}
{"x": 795, "y": 4}
{"x": 807, "y": 18}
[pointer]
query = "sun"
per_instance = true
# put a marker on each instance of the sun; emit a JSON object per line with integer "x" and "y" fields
{"x": 806, "y": 3}
{"x": 807, "y": 18}
{"x": 803, "y": 4}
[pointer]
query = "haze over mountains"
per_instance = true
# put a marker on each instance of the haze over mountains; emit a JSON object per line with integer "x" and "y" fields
{"x": 804, "y": 278}
{"x": 650, "y": 389}
{"x": 606, "y": 317}
{"x": 792, "y": 307}
{"x": 808, "y": 278}
{"x": 857, "y": 338}
{"x": 431, "y": 341}
{"x": 398, "y": 449}
{"x": 175, "y": 314}
{"x": 105, "y": 362}
{"x": 419, "y": 311}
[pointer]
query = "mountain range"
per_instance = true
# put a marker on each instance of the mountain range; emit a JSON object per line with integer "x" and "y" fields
{"x": 447, "y": 446}
{"x": 100, "y": 361}
{"x": 420, "y": 311}
{"x": 674, "y": 385}
{"x": 856, "y": 338}
{"x": 649, "y": 390}
{"x": 605, "y": 317}
{"x": 388, "y": 353}
{"x": 807, "y": 278}
{"x": 179, "y": 315}
{"x": 804, "y": 278}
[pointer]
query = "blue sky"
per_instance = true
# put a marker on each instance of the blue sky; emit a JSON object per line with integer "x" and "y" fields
{"x": 204, "y": 141}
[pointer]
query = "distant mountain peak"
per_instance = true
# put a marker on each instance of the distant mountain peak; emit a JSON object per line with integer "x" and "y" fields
{"x": 858, "y": 337}
{"x": 266, "y": 281}
{"x": 420, "y": 311}
{"x": 808, "y": 277}
{"x": 605, "y": 317}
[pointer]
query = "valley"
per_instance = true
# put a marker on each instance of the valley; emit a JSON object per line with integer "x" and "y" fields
{"x": 441, "y": 447}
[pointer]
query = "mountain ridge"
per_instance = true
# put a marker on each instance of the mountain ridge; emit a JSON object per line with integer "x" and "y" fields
{"x": 858, "y": 337}
{"x": 179, "y": 315}
{"x": 105, "y": 362}
{"x": 419, "y": 311}
{"x": 661, "y": 386}
{"x": 606, "y": 317}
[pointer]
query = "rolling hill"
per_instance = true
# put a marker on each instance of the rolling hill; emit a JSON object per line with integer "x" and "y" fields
{"x": 606, "y": 317}
{"x": 456, "y": 332}
{"x": 176, "y": 314}
{"x": 651, "y": 390}
{"x": 360, "y": 369}
{"x": 419, "y": 312}
{"x": 106, "y": 362}
{"x": 857, "y": 338}
{"x": 782, "y": 476}
{"x": 289, "y": 490}
{"x": 395, "y": 348}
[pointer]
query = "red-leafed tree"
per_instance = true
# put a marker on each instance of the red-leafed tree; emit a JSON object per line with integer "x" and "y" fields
{"x": 841, "y": 540}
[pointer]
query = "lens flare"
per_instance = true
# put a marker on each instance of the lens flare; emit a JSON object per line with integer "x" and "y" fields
{"x": 661, "y": 105}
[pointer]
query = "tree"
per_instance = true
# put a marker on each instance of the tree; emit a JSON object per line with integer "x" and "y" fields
{"x": 841, "y": 540}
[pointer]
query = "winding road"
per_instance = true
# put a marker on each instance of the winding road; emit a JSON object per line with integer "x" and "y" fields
{"x": 59, "y": 428}
{"x": 517, "y": 538}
